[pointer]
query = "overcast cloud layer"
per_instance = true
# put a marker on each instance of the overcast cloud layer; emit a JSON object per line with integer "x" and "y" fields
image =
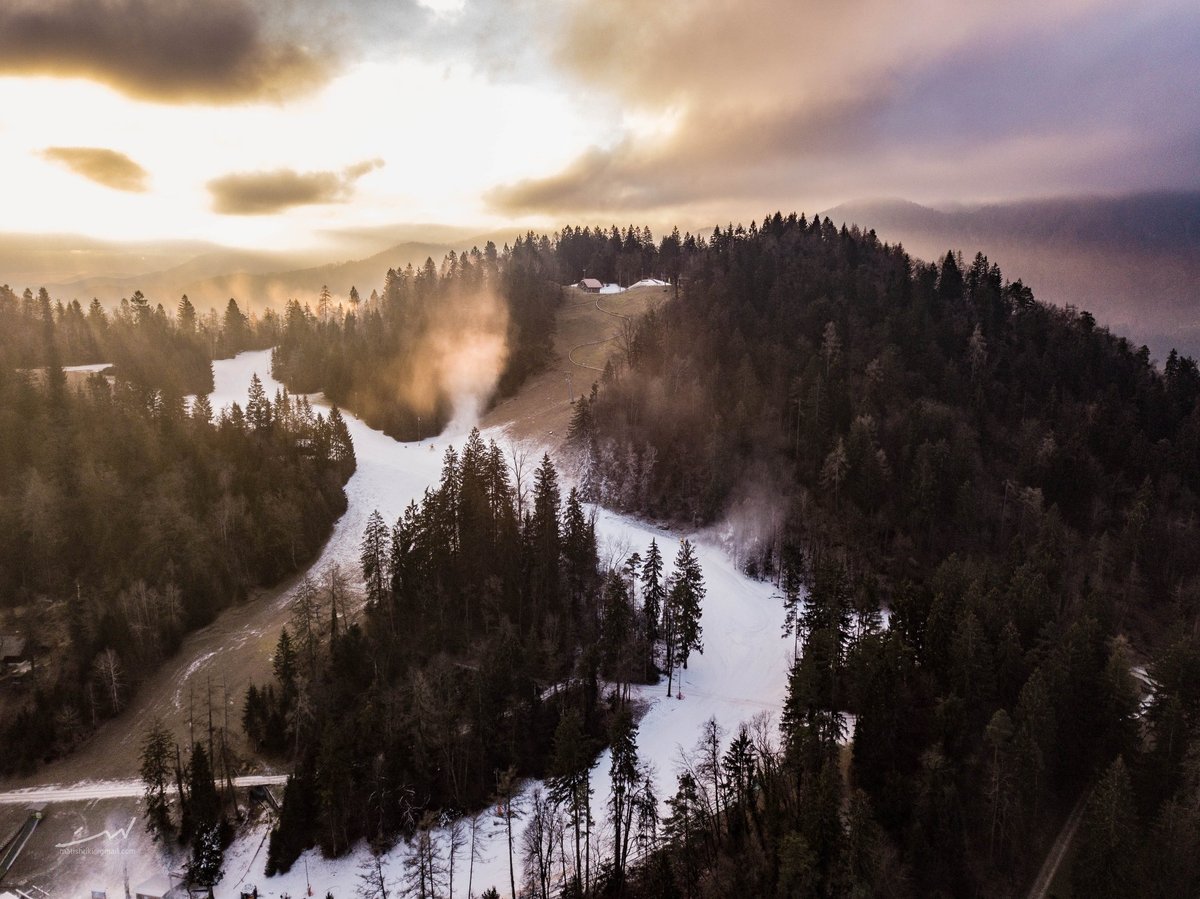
{"x": 215, "y": 51}
{"x": 782, "y": 102}
{"x": 693, "y": 110}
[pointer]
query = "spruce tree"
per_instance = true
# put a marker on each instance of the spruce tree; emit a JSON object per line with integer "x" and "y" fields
{"x": 158, "y": 751}
{"x": 685, "y": 593}
{"x": 258, "y": 406}
{"x": 284, "y": 665}
{"x": 204, "y": 809}
{"x": 1108, "y": 840}
{"x": 545, "y": 540}
{"x": 570, "y": 784}
{"x": 626, "y": 774}
{"x": 373, "y": 557}
{"x": 578, "y": 546}
{"x": 186, "y": 315}
{"x": 653, "y": 593}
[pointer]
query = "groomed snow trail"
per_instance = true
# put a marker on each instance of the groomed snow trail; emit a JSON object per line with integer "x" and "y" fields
{"x": 742, "y": 673}
{"x": 388, "y": 476}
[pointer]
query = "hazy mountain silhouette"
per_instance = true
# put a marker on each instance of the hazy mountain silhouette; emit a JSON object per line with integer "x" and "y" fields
{"x": 74, "y": 267}
{"x": 1133, "y": 261}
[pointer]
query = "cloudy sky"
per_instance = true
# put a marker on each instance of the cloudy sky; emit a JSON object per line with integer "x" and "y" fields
{"x": 273, "y": 123}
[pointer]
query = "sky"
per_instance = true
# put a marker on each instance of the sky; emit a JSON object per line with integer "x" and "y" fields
{"x": 272, "y": 124}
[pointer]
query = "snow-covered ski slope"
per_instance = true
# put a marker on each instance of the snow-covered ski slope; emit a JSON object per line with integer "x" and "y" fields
{"x": 742, "y": 672}
{"x": 388, "y": 476}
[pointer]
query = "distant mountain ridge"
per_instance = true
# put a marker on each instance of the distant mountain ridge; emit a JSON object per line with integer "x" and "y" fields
{"x": 208, "y": 273}
{"x": 255, "y": 288}
{"x": 1133, "y": 261}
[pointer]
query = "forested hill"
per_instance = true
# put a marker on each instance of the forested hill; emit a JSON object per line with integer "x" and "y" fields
{"x": 480, "y": 323}
{"x": 129, "y": 517}
{"x": 1017, "y": 485}
{"x": 140, "y": 340}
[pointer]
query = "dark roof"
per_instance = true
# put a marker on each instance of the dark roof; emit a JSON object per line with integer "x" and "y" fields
{"x": 12, "y": 646}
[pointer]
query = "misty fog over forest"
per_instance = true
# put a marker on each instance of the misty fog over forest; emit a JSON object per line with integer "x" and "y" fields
{"x": 453, "y": 448}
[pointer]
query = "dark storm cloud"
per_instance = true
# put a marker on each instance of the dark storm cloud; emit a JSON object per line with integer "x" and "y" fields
{"x": 778, "y": 102}
{"x": 178, "y": 51}
{"x": 107, "y": 167}
{"x": 264, "y": 193}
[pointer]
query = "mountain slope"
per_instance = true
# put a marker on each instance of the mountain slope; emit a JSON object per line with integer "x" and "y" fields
{"x": 1133, "y": 262}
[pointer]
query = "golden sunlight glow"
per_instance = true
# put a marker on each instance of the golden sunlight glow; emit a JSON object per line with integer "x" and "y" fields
{"x": 444, "y": 134}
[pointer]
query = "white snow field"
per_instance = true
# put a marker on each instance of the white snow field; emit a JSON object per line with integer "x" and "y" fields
{"x": 742, "y": 672}
{"x": 112, "y": 789}
{"x": 389, "y": 474}
{"x": 90, "y": 368}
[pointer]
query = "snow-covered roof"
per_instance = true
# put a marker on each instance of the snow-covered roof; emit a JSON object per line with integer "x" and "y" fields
{"x": 591, "y": 282}
{"x": 157, "y": 887}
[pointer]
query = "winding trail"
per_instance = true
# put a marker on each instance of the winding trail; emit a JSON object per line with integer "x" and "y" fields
{"x": 1059, "y": 849}
{"x": 571, "y": 352}
{"x": 743, "y": 671}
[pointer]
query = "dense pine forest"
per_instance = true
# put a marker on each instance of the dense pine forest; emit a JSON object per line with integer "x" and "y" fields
{"x": 143, "y": 343}
{"x": 492, "y": 647}
{"x": 130, "y": 515}
{"x": 980, "y": 512}
{"x": 399, "y": 357}
{"x": 1015, "y": 485}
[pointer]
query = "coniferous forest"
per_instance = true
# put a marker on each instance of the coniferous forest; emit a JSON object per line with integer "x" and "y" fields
{"x": 979, "y": 510}
{"x": 1015, "y": 486}
{"x": 130, "y": 515}
{"x": 143, "y": 344}
{"x": 396, "y": 358}
{"x": 492, "y": 647}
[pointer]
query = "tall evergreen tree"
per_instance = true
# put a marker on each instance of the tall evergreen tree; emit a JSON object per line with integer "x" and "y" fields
{"x": 653, "y": 592}
{"x": 158, "y": 753}
{"x": 685, "y": 594}
{"x": 374, "y": 559}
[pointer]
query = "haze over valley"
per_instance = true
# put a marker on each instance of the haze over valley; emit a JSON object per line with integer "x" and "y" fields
{"x": 599, "y": 450}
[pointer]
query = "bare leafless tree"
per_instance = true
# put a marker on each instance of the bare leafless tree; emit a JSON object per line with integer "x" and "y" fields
{"x": 520, "y": 454}
{"x": 542, "y": 834}
{"x": 372, "y": 879}
{"x": 456, "y": 838}
{"x": 476, "y": 850}
{"x": 111, "y": 675}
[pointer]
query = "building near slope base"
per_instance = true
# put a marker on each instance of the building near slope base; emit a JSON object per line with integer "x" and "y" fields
{"x": 591, "y": 285}
{"x": 13, "y": 649}
{"x": 159, "y": 887}
{"x": 16, "y": 656}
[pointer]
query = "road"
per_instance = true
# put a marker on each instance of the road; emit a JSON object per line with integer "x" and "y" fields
{"x": 1059, "y": 849}
{"x": 112, "y": 789}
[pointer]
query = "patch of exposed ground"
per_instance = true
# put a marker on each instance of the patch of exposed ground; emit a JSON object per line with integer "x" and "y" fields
{"x": 587, "y": 336}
